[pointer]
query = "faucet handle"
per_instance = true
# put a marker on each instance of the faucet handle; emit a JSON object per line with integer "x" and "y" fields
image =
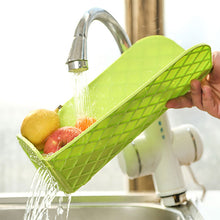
{"x": 187, "y": 144}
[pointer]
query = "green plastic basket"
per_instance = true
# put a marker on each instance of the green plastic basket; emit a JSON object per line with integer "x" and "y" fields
{"x": 126, "y": 98}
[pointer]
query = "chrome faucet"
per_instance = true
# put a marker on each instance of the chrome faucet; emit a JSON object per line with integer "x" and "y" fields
{"x": 77, "y": 60}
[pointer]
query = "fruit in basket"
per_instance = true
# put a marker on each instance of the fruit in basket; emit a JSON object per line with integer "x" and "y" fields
{"x": 60, "y": 138}
{"x": 38, "y": 125}
{"x": 84, "y": 122}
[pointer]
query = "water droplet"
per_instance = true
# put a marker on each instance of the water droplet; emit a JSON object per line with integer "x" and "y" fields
{"x": 60, "y": 210}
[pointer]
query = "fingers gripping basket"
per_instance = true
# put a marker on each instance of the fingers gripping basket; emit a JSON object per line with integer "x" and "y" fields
{"x": 125, "y": 99}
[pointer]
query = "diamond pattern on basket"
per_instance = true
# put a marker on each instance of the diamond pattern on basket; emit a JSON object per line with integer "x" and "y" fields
{"x": 75, "y": 165}
{"x": 107, "y": 139}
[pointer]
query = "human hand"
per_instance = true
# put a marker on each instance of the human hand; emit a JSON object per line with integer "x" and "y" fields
{"x": 205, "y": 95}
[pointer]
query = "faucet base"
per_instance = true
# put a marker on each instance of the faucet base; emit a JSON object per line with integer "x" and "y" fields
{"x": 174, "y": 200}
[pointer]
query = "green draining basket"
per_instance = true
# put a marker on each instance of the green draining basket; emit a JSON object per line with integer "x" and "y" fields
{"x": 125, "y": 99}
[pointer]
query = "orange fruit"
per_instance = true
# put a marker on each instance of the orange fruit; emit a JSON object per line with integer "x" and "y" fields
{"x": 84, "y": 122}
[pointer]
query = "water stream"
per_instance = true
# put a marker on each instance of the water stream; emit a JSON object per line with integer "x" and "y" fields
{"x": 80, "y": 94}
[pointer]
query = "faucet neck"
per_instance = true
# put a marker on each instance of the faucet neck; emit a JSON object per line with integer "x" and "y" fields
{"x": 78, "y": 54}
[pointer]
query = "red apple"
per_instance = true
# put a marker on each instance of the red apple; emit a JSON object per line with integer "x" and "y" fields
{"x": 60, "y": 138}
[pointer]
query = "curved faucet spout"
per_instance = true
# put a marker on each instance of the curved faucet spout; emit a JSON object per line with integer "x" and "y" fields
{"x": 77, "y": 60}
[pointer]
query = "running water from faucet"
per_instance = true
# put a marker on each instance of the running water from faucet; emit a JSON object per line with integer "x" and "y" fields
{"x": 80, "y": 95}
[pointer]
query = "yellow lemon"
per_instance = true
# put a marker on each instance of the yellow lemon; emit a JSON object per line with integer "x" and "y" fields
{"x": 38, "y": 125}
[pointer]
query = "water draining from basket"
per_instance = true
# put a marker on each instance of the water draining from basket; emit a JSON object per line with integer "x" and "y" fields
{"x": 44, "y": 188}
